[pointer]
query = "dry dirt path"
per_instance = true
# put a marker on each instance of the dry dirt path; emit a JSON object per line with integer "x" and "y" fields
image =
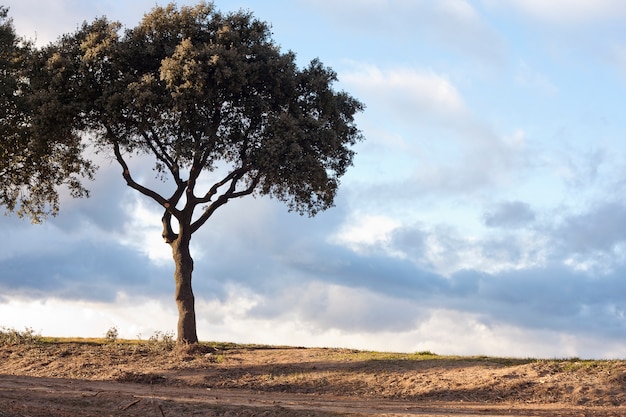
{"x": 22, "y": 396}
{"x": 93, "y": 379}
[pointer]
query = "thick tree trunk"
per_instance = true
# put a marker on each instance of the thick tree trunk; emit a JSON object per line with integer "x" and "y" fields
{"x": 183, "y": 293}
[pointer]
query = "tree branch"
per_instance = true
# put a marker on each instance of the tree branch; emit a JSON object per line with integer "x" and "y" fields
{"x": 168, "y": 234}
{"x": 223, "y": 199}
{"x": 162, "y": 155}
{"x": 133, "y": 184}
{"x": 175, "y": 198}
{"x": 234, "y": 176}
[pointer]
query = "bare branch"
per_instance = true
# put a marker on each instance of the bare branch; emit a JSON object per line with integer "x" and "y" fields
{"x": 223, "y": 199}
{"x": 233, "y": 176}
{"x": 133, "y": 184}
{"x": 161, "y": 154}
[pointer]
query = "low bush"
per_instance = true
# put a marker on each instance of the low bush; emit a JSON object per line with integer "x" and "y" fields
{"x": 9, "y": 336}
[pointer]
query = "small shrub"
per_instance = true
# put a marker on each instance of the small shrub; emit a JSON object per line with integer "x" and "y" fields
{"x": 425, "y": 353}
{"x": 213, "y": 358}
{"x": 162, "y": 341}
{"x": 112, "y": 334}
{"x": 10, "y": 337}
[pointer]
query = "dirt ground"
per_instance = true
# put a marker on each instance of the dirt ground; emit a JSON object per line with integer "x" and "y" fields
{"x": 119, "y": 379}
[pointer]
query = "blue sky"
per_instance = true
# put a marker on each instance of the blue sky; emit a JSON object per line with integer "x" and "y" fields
{"x": 484, "y": 213}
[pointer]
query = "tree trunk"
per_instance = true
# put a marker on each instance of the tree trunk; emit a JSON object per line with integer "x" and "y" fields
{"x": 183, "y": 293}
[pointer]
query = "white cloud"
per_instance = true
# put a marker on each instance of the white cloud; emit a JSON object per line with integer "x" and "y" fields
{"x": 46, "y": 21}
{"x": 456, "y": 332}
{"x": 63, "y": 318}
{"x": 406, "y": 92}
{"x": 446, "y": 250}
{"x": 365, "y": 231}
{"x": 142, "y": 230}
{"x": 439, "y": 145}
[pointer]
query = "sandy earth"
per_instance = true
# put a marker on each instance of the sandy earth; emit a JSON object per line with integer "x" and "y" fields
{"x": 83, "y": 379}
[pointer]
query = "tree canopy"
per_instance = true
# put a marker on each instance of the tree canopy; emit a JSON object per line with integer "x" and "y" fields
{"x": 39, "y": 152}
{"x": 199, "y": 91}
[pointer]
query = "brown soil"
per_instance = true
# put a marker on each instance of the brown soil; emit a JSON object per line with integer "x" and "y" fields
{"x": 87, "y": 379}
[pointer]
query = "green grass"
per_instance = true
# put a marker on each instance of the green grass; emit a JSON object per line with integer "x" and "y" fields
{"x": 363, "y": 355}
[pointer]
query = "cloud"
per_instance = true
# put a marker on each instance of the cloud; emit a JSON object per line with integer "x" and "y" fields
{"x": 411, "y": 107}
{"x": 365, "y": 231}
{"x": 288, "y": 275}
{"x": 324, "y": 307}
{"x": 46, "y": 21}
{"x": 452, "y": 24}
{"x": 512, "y": 214}
{"x": 580, "y": 169}
{"x": 405, "y": 93}
{"x": 554, "y": 297}
{"x": 82, "y": 270}
{"x": 445, "y": 250}
{"x": 602, "y": 228}
{"x": 395, "y": 284}
{"x": 570, "y": 11}
{"x": 476, "y": 159}
{"x": 51, "y": 19}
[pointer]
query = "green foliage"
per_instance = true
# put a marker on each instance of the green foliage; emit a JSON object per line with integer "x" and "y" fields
{"x": 426, "y": 353}
{"x": 198, "y": 90}
{"x": 40, "y": 150}
{"x": 10, "y": 337}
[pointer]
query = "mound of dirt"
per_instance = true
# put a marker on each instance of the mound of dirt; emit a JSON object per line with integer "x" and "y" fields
{"x": 81, "y": 379}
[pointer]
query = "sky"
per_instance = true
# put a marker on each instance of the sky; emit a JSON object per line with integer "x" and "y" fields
{"x": 484, "y": 213}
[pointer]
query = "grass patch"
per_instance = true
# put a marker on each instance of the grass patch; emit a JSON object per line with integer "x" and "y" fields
{"x": 363, "y": 355}
{"x": 83, "y": 340}
{"x": 163, "y": 342}
{"x": 577, "y": 364}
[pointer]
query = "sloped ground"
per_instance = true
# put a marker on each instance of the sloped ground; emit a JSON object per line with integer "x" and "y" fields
{"x": 89, "y": 379}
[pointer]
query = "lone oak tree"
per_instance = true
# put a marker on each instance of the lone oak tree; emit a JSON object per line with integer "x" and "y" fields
{"x": 201, "y": 92}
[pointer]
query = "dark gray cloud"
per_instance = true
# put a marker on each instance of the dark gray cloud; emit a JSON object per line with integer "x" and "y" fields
{"x": 556, "y": 298}
{"x": 84, "y": 270}
{"x": 599, "y": 229}
{"x": 511, "y": 214}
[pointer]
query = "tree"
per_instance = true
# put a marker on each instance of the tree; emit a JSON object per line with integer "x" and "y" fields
{"x": 202, "y": 92}
{"x": 38, "y": 153}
